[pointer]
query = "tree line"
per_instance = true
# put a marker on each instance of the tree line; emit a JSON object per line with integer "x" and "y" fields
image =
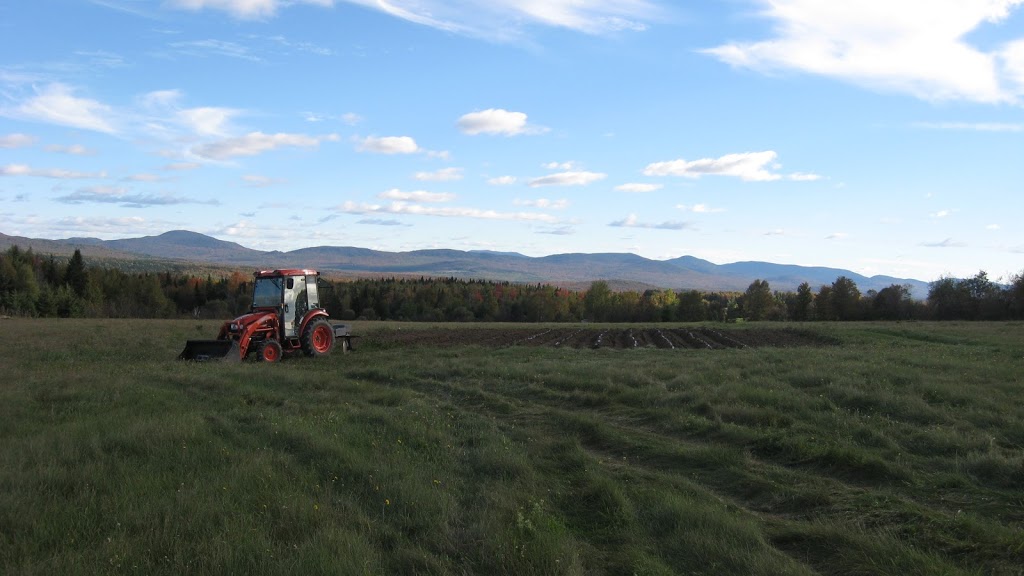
{"x": 47, "y": 286}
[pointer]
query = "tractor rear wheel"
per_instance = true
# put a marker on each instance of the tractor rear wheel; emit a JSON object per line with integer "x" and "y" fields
{"x": 270, "y": 351}
{"x": 317, "y": 338}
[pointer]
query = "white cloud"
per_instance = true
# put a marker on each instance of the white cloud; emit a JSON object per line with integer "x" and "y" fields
{"x": 941, "y": 213}
{"x": 748, "y": 166}
{"x": 993, "y": 227}
{"x": 631, "y": 221}
{"x": 17, "y": 141}
{"x": 699, "y": 209}
{"x": 1012, "y": 57}
{"x": 208, "y": 121}
{"x": 416, "y": 196}
{"x": 837, "y": 236}
{"x": 544, "y": 203}
{"x": 501, "y": 180}
{"x": 497, "y": 121}
{"x": 388, "y": 145}
{"x": 635, "y": 187}
{"x": 559, "y": 166}
{"x": 919, "y": 47}
{"x": 143, "y": 177}
{"x": 572, "y": 178}
{"x": 442, "y": 175}
{"x": 256, "y": 143}
{"x": 803, "y": 177}
{"x": 25, "y": 170}
{"x": 73, "y": 149}
{"x": 258, "y": 181}
{"x": 448, "y": 212}
{"x": 57, "y": 104}
{"x": 182, "y": 166}
{"x": 159, "y": 99}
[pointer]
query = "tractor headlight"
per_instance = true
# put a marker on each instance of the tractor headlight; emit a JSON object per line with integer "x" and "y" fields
{"x": 234, "y": 327}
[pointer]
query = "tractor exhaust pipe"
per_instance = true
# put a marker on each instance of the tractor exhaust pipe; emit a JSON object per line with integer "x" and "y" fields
{"x": 204, "y": 350}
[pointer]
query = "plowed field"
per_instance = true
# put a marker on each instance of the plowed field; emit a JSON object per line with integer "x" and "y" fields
{"x": 589, "y": 337}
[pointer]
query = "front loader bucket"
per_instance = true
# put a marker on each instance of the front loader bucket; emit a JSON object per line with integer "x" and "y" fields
{"x": 203, "y": 350}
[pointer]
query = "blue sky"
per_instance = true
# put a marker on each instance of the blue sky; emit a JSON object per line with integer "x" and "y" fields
{"x": 885, "y": 137}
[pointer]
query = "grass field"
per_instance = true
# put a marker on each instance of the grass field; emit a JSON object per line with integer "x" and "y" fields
{"x": 898, "y": 450}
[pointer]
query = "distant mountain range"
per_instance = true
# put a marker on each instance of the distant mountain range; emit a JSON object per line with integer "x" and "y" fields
{"x": 178, "y": 248}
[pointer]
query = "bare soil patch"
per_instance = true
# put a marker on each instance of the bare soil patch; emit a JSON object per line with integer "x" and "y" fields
{"x": 701, "y": 338}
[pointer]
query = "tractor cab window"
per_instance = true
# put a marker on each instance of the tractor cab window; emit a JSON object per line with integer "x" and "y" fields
{"x": 267, "y": 292}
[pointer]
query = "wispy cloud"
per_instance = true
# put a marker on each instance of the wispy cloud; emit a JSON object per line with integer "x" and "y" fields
{"x": 502, "y": 180}
{"x": 571, "y": 178}
{"x": 747, "y": 166}
{"x": 631, "y": 221}
{"x": 442, "y": 175}
{"x": 381, "y": 222}
{"x": 257, "y": 143}
{"x": 699, "y": 209}
{"x": 73, "y": 149}
{"x": 125, "y": 198}
{"x": 919, "y": 48}
{"x": 947, "y": 243}
{"x": 143, "y": 177}
{"x": 837, "y": 236}
{"x": 973, "y": 126}
{"x": 495, "y": 20}
{"x": 445, "y": 212}
{"x": 57, "y": 103}
{"x": 182, "y": 166}
{"x": 416, "y": 196}
{"x": 17, "y": 141}
{"x": 213, "y": 47}
{"x": 25, "y": 170}
{"x": 565, "y": 230}
{"x": 258, "y": 181}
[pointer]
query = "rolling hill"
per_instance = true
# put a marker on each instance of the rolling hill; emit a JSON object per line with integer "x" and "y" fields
{"x": 178, "y": 248}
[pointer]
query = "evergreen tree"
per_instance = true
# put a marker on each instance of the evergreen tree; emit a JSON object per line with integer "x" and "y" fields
{"x": 76, "y": 275}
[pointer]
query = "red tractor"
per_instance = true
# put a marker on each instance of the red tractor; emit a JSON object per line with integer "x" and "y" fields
{"x": 285, "y": 316}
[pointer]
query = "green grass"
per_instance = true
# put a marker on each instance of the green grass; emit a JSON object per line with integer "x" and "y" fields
{"x": 899, "y": 451}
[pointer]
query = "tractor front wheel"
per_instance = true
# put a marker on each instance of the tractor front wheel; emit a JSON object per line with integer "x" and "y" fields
{"x": 317, "y": 338}
{"x": 270, "y": 351}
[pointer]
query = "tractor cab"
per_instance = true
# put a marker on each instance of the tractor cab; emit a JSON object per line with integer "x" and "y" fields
{"x": 292, "y": 293}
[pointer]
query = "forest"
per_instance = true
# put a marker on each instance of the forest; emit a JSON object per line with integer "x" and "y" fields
{"x": 35, "y": 285}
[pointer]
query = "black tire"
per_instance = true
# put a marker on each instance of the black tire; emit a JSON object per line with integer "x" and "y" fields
{"x": 317, "y": 338}
{"x": 269, "y": 351}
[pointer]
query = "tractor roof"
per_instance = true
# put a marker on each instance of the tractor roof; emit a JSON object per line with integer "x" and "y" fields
{"x": 285, "y": 272}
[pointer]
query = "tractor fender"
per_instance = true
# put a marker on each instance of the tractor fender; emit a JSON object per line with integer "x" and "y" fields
{"x": 312, "y": 315}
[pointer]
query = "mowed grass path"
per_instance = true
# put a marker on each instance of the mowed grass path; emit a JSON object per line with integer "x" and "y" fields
{"x": 898, "y": 451}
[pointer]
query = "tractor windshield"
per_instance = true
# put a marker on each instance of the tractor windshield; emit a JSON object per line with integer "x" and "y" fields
{"x": 267, "y": 292}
